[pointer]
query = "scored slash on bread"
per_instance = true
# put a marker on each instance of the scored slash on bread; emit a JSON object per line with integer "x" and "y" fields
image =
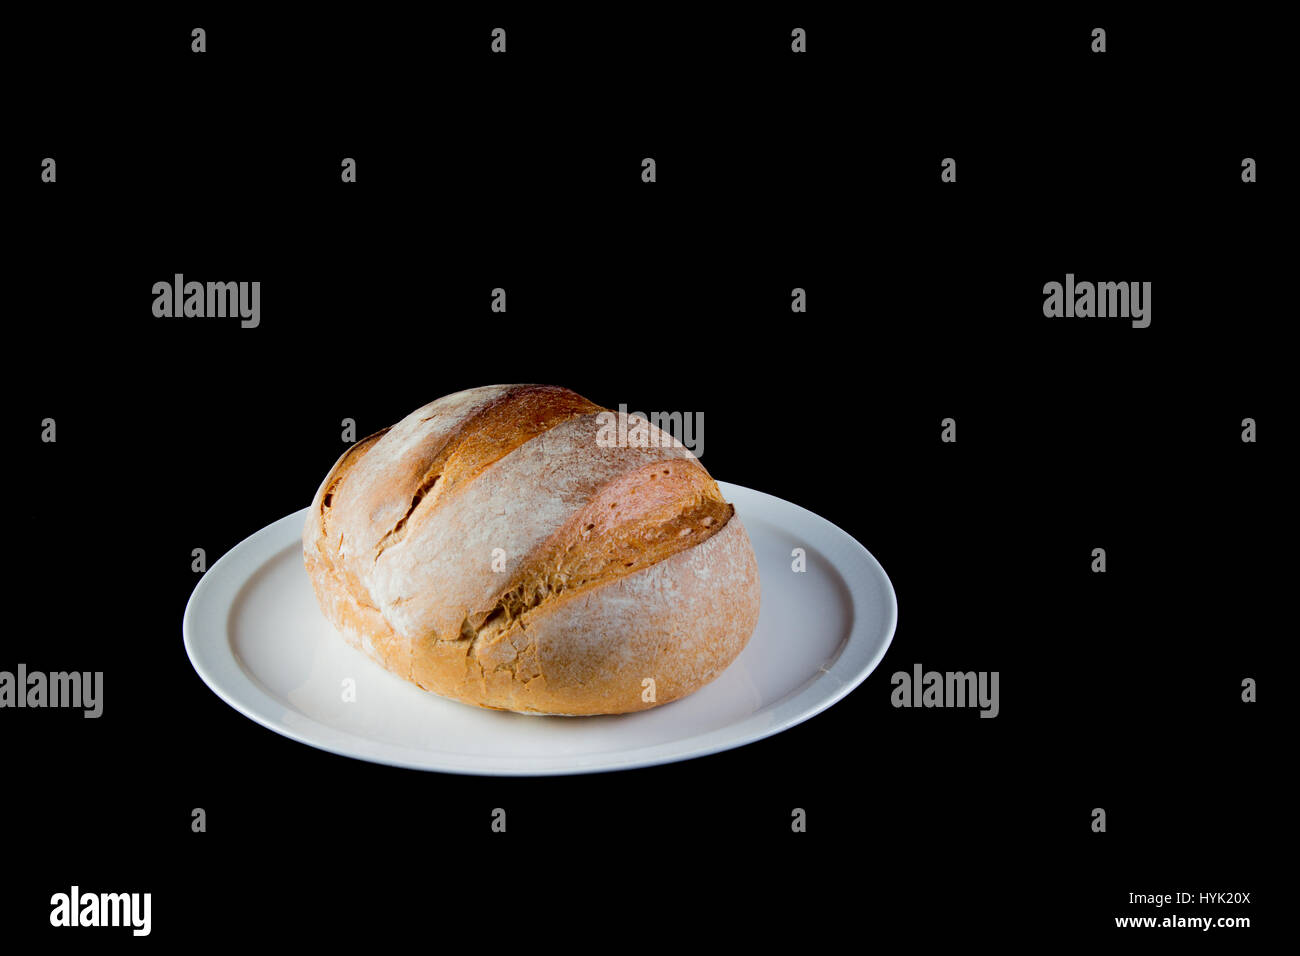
{"x": 490, "y": 548}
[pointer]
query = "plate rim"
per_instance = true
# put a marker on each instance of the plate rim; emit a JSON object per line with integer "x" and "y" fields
{"x": 335, "y": 739}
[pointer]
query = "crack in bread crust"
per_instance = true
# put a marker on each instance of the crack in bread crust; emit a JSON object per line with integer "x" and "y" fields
{"x": 335, "y": 478}
{"x": 484, "y": 437}
{"x": 689, "y": 510}
{"x": 399, "y": 529}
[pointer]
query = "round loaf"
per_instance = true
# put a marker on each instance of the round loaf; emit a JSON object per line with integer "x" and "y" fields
{"x": 519, "y": 548}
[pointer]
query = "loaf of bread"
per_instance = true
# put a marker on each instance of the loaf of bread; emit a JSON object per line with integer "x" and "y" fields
{"x": 498, "y": 548}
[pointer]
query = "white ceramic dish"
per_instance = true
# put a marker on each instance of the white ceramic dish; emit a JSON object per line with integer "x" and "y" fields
{"x": 256, "y": 636}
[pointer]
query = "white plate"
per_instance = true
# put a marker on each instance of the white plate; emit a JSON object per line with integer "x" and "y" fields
{"x": 257, "y": 637}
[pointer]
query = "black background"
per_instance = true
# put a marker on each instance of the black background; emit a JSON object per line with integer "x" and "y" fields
{"x": 522, "y": 171}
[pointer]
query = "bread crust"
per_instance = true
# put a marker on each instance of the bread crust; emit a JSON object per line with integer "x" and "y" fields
{"x": 491, "y": 549}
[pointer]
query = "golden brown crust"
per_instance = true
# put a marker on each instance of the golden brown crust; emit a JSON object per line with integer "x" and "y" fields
{"x": 492, "y": 549}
